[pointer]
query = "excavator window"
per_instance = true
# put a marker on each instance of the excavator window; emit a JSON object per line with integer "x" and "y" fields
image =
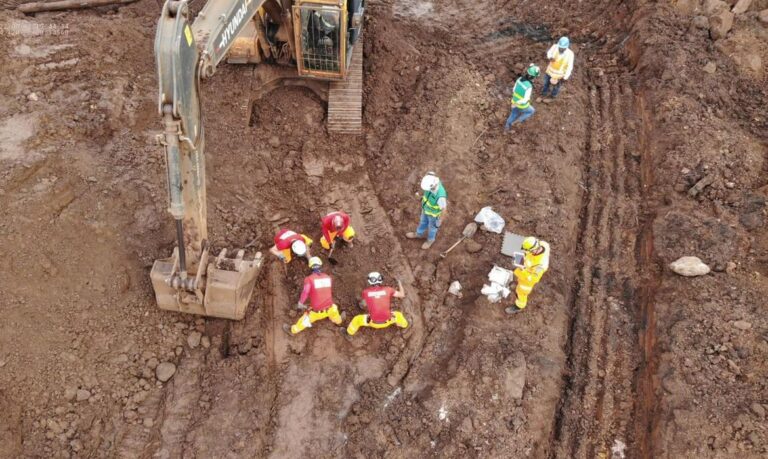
{"x": 321, "y": 38}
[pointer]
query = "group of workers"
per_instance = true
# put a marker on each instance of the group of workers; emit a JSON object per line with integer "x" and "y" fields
{"x": 377, "y": 298}
{"x": 558, "y": 72}
{"x": 318, "y": 286}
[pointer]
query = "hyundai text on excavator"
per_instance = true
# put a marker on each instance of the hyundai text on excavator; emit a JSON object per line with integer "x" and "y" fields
{"x": 310, "y": 43}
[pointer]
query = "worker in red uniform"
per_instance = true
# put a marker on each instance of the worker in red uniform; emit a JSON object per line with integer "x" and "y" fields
{"x": 288, "y": 243}
{"x": 318, "y": 287}
{"x": 334, "y": 224}
{"x": 377, "y": 299}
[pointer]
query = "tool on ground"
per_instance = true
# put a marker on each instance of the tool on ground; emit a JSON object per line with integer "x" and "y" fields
{"x": 332, "y": 260}
{"x": 468, "y": 232}
{"x": 294, "y": 43}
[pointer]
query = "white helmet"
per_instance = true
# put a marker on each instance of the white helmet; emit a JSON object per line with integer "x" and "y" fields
{"x": 375, "y": 278}
{"x": 430, "y": 182}
{"x": 299, "y": 248}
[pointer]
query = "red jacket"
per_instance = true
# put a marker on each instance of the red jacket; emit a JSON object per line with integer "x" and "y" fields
{"x": 378, "y": 300}
{"x": 285, "y": 237}
{"x": 328, "y": 224}
{"x": 318, "y": 287}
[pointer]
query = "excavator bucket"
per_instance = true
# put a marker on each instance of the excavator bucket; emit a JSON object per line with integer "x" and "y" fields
{"x": 229, "y": 283}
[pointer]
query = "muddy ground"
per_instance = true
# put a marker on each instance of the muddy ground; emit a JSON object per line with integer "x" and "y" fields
{"x": 616, "y": 356}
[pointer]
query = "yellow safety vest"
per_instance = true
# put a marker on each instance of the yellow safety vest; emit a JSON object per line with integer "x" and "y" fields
{"x": 557, "y": 67}
{"x": 537, "y": 265}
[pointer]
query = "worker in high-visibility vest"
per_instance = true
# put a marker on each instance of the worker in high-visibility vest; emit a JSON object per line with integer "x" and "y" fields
{"x": 377, "y": 300}
{"x": 433, "y": 207}
{"x": 535, "y": 264}
{"x": 559, "y": 68}
{"x": 318, "y": 287}
{"x": 521, "y": 97}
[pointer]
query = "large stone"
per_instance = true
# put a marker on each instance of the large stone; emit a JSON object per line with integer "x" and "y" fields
{"x": 710, "y": 68}
{"x": 720, "y": 24}
{"x": 763, "y": 15}
{"x": 83, "y": 395}
{"x": 193, "y": 340}
{"x": 514, "y": 381}
{"x": 701, "y": 22}
{"x": 742, "y": 325}
{"x": 741, "y": 6}
{"x": 165, "y": 371}
{"x": 714, "y": 6}
{"x": 689, "y": 267}
{"x": 686, "y": 6}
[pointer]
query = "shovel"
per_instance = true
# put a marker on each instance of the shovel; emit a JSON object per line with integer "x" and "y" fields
{"x": 332, "y": 260}
{"x": 468, "y": 232}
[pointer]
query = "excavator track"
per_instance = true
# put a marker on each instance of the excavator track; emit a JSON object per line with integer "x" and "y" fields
{"x": 345, "y": 99}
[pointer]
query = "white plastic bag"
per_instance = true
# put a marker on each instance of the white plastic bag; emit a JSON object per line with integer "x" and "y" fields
{"x": 490, "y": 220}
{"x": 455, "y": 289}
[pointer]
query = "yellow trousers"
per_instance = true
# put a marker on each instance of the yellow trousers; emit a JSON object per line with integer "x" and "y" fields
{"x": 525, "y": 283}
{"x": 348, "y": 234}
{"x": 363, "y": 320}
{"x": 310, "y": 317}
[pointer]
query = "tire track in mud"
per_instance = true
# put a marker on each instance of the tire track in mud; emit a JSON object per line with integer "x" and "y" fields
{"x": 596, "y": 406}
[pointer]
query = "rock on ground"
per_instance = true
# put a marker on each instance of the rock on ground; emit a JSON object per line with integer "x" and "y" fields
{"x": 165, "y": 371}
{"x": 193, "y": 340}
{"x": 720, "y": 24}
{"x": 741, "y": 6}
{"x": 742, "y": 325}
{"x": 514, "y": 381}
{"x": 689, "y": 267}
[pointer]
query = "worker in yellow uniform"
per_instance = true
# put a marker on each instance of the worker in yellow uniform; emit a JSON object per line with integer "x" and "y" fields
{"x": 318, "y": 287}
{"x": 535, "y": 264}
{"x": 559, "y": 68}
{"x": 377, "y": 300}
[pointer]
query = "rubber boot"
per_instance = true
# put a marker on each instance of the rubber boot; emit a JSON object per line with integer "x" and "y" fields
{"x": 427, "y": 245}
{"x": 512, "y": 310}
{"x": 412, "y": 235}
{"x": 287, "y": 329}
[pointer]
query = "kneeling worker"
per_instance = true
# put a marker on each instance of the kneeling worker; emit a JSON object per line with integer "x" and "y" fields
{"x": 535, "y": 264}
{"x": 318, "y": 286}
{"x": 289, "y": 242}
{"x": 335, "y": 224}
{"x": 377, "y": 299}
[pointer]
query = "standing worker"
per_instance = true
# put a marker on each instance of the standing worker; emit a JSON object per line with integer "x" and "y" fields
{"x": 535, "y": 264}
{"x": 289, "y": 242}
{"x": 521, "y": 97}
{"x": 559, "y": 68}
{"x": 318, "y": 286}
{"x": 377, "y": 299}
{"x": 433, "y": 206}
{"x": 334, "y": 224}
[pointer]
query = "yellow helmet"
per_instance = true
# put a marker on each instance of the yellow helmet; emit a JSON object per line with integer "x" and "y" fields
{"x": 315, "y": 262}
{"x": 530, "y": 243}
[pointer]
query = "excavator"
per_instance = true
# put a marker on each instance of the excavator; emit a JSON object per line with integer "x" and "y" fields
{"x": 309, "y": 43}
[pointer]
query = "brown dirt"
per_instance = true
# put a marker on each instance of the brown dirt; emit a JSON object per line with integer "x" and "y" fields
{"x": 613, "y": 348}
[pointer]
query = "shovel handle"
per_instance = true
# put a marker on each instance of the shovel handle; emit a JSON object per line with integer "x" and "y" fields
{"x": 443, "y": 255}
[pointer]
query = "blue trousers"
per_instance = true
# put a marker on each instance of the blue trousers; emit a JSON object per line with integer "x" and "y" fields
{"x": 518, "y": 115}
{"x": 555, "y": 87}
{"x": 429, "y": 224}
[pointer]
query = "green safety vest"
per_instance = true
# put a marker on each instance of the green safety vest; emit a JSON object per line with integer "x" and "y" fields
{"x": 518, "y": 93}
{"x": 429, "y": 201}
